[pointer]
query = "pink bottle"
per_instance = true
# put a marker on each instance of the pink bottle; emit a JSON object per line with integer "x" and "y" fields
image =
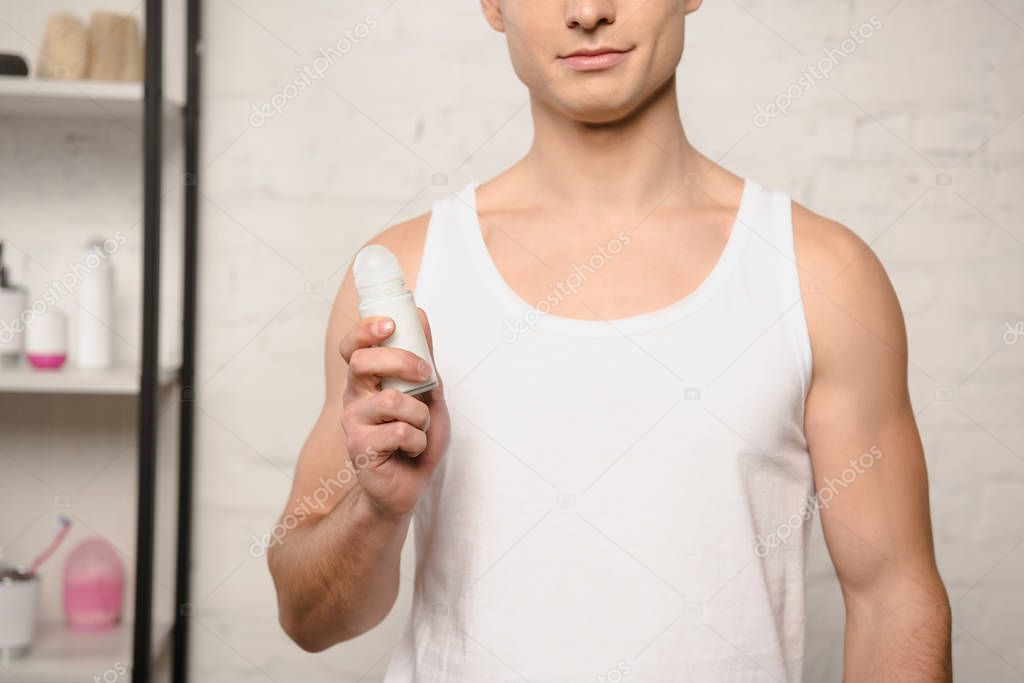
{"x": 93, "y": 586}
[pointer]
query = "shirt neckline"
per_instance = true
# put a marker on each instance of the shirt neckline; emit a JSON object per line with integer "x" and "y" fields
{"x": 530, "y": 317}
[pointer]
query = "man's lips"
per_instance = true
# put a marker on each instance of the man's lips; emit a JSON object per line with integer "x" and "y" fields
{"x": 594, "y": 59}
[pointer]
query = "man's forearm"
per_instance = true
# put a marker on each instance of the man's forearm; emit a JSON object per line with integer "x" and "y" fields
{"x": 900, "y": 635}
{"x": 337, "y": 577}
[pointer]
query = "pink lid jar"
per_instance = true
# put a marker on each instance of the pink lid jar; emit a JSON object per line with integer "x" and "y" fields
{"x": 93, "y": 586}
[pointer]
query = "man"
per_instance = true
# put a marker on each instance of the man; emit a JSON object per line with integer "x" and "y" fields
{"x": 652, "y": 367}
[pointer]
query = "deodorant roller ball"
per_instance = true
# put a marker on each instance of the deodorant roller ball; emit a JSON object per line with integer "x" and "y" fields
{"x": 382, "y": 292}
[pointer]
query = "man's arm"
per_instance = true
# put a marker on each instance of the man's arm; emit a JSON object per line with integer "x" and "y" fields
{"x": 869, "y": 466}
{"x": 334, "y": 555}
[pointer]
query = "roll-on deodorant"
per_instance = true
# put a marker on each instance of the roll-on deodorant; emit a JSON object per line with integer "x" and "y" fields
{"x": 382, "y": 292}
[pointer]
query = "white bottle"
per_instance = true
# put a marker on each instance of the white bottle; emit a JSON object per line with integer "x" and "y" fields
{"x": 382, "y": 292}
{"x": 94, "y": 339}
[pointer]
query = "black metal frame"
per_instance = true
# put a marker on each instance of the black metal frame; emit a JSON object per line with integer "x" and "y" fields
{"x": 149, "y": 382}
{"x": 151, "y": 199}
{"x": 188, "y": 362}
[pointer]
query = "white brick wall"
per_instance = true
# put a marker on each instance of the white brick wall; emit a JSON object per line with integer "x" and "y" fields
{"x": 935, "y": 91}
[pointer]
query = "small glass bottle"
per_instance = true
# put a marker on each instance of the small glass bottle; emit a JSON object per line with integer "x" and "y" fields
{"x": 13, "y": 305}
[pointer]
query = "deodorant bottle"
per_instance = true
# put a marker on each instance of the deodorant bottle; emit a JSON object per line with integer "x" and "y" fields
{"x": 382, "y": 292}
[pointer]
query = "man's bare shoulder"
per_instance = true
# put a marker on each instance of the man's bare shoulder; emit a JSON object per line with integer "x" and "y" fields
{"x": 824, "y": 247}
{"x": 850, "y": 303}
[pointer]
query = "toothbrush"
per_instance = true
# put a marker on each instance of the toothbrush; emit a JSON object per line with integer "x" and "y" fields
{"x": 62, "y": 533}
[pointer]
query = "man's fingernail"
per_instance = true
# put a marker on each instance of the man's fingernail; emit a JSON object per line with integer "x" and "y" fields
{"x": 385, "y": 326}
{"x": 424, "y": 368}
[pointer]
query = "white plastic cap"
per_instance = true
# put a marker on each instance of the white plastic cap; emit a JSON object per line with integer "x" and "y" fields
{"x": 375, "y": 265}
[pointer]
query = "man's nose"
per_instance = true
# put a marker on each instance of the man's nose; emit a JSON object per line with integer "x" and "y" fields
{"x": 589, "y": 14}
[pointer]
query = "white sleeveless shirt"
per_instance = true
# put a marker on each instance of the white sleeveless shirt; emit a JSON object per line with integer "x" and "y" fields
{"x": 623, "y": 499}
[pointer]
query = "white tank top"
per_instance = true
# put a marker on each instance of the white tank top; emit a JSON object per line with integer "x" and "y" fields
{"x": 623, "y": 499}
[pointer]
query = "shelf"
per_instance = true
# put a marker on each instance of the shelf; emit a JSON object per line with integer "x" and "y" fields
{"x": 33, "y": 97}
{"x": 71, "y": 380}
{"x": 62, "y": 656}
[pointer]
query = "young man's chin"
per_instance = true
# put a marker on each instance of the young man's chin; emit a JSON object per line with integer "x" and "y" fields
{"x": 601, "y": 118}
{"x": 597, "y": 109}
{"x": 602, "y": 97}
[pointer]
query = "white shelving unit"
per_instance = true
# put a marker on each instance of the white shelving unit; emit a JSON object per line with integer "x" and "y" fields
{"x": 81, "y": 156}
{"x": 75, "y": 381}
{"x": 62, "y": 656}
{"x": 54, "y": 98}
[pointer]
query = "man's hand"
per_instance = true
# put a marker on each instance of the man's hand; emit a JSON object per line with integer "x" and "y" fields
{"x": 364, "y": 465}
{"x": 394, "y": 441}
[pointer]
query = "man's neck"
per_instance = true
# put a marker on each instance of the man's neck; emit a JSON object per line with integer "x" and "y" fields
{"x": 633, "y": 163}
